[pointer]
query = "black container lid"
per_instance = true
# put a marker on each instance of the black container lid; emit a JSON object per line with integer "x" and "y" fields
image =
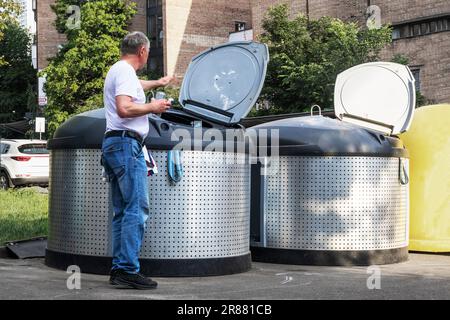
{"x": 86, "y": 131}
{"x": 322, "y": 136}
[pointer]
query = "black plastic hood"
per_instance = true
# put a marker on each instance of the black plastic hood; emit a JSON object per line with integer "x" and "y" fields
{"x": 322, "y": 136}
{"x": 308, "y": 135}
{"x": 86, "y": 131}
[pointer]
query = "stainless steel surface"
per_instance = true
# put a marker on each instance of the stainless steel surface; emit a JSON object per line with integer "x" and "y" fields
{"x": 337, "y": 203}
{"x": 79, "y": 206}
{"x": 206, "y": 215}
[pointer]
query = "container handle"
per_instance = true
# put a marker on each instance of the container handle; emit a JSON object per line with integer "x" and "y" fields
{"x": 402, "y": 173}
{"x": 318, "y": 107}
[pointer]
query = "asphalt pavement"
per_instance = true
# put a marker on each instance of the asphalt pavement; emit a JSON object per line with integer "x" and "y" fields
{"x": 424, "y": 276}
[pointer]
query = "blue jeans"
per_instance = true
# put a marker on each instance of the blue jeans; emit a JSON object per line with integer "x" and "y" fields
{"x": 124, "y": 163}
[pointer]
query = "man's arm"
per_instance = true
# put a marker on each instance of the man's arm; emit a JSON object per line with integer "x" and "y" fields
{"x": 152, "y": 84}
{"x": 126, "y": 108}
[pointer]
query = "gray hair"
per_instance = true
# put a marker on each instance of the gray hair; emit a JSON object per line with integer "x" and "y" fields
{"x": 133, "y": 42}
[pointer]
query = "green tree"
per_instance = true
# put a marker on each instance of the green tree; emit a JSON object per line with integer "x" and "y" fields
{"x": 18, "y": 78}
{"x": 307, "y": 55}
{"x": 74, "y": 78}
{"x": 9, "y": 10}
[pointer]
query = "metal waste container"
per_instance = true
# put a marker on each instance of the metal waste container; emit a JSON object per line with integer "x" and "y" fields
{"x": 336, "y": 192}
{"x": 198, "y": 226}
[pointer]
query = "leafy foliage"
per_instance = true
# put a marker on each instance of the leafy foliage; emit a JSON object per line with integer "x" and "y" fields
{"x": 74, "y": 78}
{"x": 307, "y": 55}
{"x": 17, "y": 76}
{"x": 98, "y": 17}
{"x": 9, "y": 10}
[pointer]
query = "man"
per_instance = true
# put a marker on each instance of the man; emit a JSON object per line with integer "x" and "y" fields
{"x": 123, "y": 157}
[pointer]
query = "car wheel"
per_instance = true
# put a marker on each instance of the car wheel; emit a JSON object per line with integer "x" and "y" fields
{"x": 4, "y": 181}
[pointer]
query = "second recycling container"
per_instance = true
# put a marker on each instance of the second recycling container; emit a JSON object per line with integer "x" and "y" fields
{"x": 337, "y": 192}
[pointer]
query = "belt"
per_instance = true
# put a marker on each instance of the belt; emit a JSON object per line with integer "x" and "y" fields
{"x": 124, "y": 133}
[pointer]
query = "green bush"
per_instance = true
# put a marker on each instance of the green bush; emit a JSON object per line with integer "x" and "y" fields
{"x": 18, "y": 78}
{"x": 307, "y": 55}
{"x": 9, "y": 11}
{"x": 74, "y": 78}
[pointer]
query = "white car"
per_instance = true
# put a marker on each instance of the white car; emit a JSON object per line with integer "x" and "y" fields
{"x": 23, "y": 162}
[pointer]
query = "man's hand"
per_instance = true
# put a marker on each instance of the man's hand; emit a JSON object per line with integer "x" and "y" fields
{"x": 160, "y": 106}
{"x": 153, "y": 84}
{"x": 164, "y": 81}
{"x": 126, "y": 108}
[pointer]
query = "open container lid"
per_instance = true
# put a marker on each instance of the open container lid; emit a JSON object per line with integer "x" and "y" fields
{"x": 223, "y": 83}
{"x": 378, "y": 95}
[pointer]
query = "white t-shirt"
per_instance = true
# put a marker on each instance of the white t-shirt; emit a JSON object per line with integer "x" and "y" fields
{"x": 122, "y": 80}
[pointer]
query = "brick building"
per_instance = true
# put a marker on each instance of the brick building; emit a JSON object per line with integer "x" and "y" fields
{"x": 192, "y": 26}
{"x": 48, "y": 39}
{"x": 180, "y": 29}
{"x": 421, "y": 32}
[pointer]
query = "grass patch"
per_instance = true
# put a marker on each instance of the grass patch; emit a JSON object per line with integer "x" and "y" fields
{"x": 23, "y": 214}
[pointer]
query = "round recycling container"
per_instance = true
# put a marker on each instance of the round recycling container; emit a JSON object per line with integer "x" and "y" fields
{"x": 336, "y": 191}
{"x": 337, "y": 194}
{"x": 197, "y": 226}
{"x": 428, "y": 142}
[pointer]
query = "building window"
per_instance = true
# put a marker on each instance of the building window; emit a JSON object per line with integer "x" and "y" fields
{"x": 416, "y": 30}
{"x": 396, "y": 34}
{"x": 421, "y": 27}
{"x": 416, "y": 74}
{"x": 154, "y": 3}
{"x": 239, "y": 26}
{"x": 155, "y": 33}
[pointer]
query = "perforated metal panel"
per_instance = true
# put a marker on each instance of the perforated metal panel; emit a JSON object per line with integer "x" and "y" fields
{"x": 337, "y": 203}
{"x": 206, "y": 215}
{"x": 79, "y": 219}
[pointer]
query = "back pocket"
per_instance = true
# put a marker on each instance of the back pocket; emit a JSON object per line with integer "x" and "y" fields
{"x": 112, "y": 148}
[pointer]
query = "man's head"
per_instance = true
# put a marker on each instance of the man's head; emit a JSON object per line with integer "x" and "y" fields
{"x": 136, "y": 44}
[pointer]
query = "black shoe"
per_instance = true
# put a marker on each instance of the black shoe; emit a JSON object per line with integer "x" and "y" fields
{"x": 132, "y": 280}
{"x": 112, "y": 276}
